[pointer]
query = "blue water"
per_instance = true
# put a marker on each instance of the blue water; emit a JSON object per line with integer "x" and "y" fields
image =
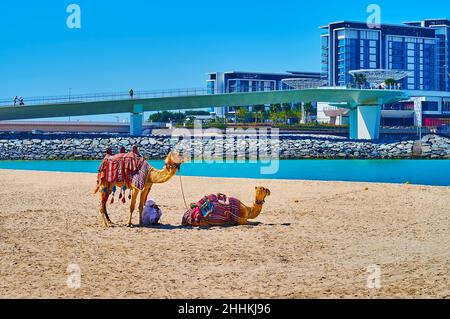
{"x": 422, "y": 172}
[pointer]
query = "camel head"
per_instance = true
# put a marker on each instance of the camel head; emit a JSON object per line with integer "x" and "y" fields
{"x": 174, "y": 161}
{"x": 261, "y": 194}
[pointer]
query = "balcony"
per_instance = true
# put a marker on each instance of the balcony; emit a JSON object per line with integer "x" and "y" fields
{"x": 399, "y": 107}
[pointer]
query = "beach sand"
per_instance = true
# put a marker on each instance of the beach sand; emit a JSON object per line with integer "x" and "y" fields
{"x": 312, "y": 240}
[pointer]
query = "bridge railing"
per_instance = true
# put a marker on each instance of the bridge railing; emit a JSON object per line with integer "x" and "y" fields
{"x": 119, "y": 96}
{"x": 99, "y": 97}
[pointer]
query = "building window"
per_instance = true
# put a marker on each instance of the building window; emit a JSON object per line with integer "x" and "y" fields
{"x": 232, "y": 86}
{"x": 446, "y": 107}
{"x": 430, "y": 106}
{"x": 211, "y": 87}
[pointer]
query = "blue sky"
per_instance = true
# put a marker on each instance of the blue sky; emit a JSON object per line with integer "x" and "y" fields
{"x": 158, "y": 44}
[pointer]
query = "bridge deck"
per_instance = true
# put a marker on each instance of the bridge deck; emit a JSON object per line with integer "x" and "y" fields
{"x": 97, "y": 104}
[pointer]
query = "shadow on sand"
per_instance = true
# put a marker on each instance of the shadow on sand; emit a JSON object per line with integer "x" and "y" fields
{"x": 173, "y": 227}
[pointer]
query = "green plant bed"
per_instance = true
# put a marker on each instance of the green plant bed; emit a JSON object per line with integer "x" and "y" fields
{"x": 298, "y": 127}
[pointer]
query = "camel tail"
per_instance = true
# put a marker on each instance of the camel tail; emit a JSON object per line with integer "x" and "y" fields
{"x": 96, "y": 189}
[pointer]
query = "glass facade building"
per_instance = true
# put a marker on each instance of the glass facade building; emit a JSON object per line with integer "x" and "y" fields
{"x": 421, "y": 48}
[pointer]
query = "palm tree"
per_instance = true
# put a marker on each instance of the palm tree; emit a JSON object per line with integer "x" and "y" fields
{"x": 308, "y": 108}
{"x": 390, "y": 83}
{"x": 275, "y": 108}
{"x": 259, "y": 109}
{"x": 287, "y": 110}
{"x": 275, "y": 112}
{"x": 360, "y": 79}
{"x": 241, "y": 113}
{"x": 297, "y": 111}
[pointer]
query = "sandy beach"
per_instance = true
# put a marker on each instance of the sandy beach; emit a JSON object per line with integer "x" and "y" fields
{"x": 312, "y": 240}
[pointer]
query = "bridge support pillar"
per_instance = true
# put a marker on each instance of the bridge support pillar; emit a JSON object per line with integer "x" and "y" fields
{"x": 136, "y": 120}
{"x": 365, "y": 122}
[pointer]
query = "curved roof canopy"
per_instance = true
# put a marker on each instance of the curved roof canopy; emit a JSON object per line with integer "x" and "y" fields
{"x": 378, "y": 76}
{"x": 303, "y": 83}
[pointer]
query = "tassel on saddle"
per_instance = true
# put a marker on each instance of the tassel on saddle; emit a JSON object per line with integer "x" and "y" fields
{"x": 113, "y": 193}
{"x": 124, "y": 189}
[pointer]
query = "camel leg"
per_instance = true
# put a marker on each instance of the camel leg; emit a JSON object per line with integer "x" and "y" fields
{"x": 244, "y": 212}
{"x": 106, "y": 216}
{"x": 142, "y": 201}
{"x": 133, "y": 206}
{"x": 104, "y": 199}
{"x": 110, "y": 223}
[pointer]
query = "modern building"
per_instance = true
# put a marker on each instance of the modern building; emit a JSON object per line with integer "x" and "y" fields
{"x": 421, "y": 49}
{"x": 235, "y": 82}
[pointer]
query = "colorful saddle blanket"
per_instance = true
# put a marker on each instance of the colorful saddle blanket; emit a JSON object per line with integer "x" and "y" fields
{"x": 214, "y": 210}
{"x": 131, "y": 169}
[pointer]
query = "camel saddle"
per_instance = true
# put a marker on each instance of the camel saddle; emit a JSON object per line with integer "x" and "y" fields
{"x": 130, "y": 169}
{"x": 214, "y": 210}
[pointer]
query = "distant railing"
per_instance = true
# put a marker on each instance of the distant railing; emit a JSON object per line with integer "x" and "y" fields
{"x": 119, "y": 96}
{"x": 99, "y": 97}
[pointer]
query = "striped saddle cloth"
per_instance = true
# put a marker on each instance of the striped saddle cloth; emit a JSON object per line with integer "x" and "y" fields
{"x": 130, "y": 169}
{"x": 214, "y": 210}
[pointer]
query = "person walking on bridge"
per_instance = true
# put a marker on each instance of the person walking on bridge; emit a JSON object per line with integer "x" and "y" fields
{"x": 131, "y": 93}
{"x": 16, "y": 99}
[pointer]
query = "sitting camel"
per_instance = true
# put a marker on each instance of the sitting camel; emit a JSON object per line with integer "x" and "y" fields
{"x": 216, "y": 210}
{"x": 131, "y": 171}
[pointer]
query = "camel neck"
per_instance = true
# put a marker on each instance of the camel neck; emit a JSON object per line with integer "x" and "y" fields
{"x": 256, "y": 209}
{"x": 162, "y": 176}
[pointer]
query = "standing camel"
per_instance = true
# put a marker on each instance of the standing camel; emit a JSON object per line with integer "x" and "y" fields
{"x": 150, "y": 176}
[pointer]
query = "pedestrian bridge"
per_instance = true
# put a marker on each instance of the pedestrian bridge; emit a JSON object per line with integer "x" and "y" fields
{"x": 364, "y": 105}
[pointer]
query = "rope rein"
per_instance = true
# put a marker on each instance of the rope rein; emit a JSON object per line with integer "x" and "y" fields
{"x": 182, "y": 191}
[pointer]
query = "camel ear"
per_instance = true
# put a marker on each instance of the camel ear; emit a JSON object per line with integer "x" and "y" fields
{"x": 178, "y": 158}
{"x": 169, "y": 158}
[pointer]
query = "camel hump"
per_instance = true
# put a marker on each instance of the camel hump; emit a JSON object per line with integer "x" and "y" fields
{"x": 116, "y": 157}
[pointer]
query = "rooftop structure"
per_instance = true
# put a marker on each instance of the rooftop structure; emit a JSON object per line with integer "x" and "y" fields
{"x": 377, "y": 77}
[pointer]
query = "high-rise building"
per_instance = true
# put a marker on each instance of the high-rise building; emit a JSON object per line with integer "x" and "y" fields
{"x": 442, "y": 29}
{"x": 420, "y": 49}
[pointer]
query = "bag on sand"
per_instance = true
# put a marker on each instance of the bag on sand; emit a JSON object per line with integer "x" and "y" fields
{"x": 151, "y": 214}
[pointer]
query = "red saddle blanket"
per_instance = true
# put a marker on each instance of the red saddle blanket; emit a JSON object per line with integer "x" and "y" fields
{"x": 214, "y": 210}
{"x": 130, "y": 169}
